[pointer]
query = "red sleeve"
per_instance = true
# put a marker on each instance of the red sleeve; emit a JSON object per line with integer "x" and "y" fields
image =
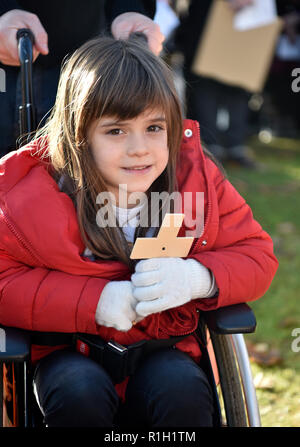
{"x": 41, "y": 299}
{"x": 242, "y": 258}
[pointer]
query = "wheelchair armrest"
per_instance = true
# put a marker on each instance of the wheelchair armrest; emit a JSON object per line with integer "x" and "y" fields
{"x": 14, "y": 344}
{"x": 235, "y": 319}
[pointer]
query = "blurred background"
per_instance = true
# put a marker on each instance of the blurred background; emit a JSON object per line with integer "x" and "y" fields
{"x": 256, "y": 135}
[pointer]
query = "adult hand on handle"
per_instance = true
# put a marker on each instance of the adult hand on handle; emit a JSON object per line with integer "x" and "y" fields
{"x": 10, "y": 22}
{"x": 133, "y": 22}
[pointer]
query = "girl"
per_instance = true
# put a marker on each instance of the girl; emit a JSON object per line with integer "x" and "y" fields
{"x": 117, "y": 122}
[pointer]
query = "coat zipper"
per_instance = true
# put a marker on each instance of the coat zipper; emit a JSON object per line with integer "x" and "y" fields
{"x": 198, "y": 241}
{"x": 22, "y": 241}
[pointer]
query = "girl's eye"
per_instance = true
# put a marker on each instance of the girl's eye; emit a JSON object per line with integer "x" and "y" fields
{"x": 155, "y": 128}
{"x": 114, "y": 132}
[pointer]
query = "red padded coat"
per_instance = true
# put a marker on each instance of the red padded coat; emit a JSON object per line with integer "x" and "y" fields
{"x": 46, "y": 284}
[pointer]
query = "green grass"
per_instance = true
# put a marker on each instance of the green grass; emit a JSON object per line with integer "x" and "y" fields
{"x": 274, "y": 196}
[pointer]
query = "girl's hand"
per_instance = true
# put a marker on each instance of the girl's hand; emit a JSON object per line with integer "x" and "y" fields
{"x": 236, "y": 5}
{"x": 163, "y": 283}
{"x": 116, "y": 306}
{"x": 133, "y": 22}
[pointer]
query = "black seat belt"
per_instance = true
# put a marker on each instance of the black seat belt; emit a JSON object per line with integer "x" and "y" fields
{"x": 118, "y": 360}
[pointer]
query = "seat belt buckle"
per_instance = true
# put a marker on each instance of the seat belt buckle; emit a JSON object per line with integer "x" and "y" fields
{"x": 115, "y": 360}
{"x": 117, "y": 346}
{"x": 90, "y": 346}
{"x": 82, "y": 347}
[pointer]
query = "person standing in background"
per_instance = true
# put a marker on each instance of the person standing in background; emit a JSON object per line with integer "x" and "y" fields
{"x": 205, "y": 96}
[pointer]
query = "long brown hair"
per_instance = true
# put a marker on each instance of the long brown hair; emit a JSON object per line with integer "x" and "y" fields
{"x": 117, "y": 78}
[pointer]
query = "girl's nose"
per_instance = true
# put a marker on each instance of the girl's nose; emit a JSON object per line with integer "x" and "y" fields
{"x": 137, "y": 146}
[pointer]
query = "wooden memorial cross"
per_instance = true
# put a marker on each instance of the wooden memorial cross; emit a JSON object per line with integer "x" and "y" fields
{"x": 166, "y": 244}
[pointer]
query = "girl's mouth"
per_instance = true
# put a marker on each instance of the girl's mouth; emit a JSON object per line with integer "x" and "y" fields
{"x": 138, "y": 169}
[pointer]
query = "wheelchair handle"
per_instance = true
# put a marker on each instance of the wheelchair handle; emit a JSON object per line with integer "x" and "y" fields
{"x": 27, "y": 112}
{"x": 25, "y": 40}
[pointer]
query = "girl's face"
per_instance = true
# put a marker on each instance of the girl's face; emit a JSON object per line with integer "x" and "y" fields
{"x": 132, "y": 152}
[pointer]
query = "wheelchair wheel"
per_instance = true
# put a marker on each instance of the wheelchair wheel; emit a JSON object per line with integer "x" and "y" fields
{"x": 230, "y": 382}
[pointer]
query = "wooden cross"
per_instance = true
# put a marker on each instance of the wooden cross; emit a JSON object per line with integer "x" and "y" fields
{"x": 166, "y": 244}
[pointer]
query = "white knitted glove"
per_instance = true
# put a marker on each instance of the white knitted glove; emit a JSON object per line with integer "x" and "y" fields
{"x": 116, "y": 306}
{"x": 163, "y": 283}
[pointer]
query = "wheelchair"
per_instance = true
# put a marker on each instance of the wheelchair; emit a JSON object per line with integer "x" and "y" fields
{"x": 224, "y": 359}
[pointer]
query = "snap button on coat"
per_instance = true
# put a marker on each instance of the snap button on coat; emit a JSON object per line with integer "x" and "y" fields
{"x": 188, "y": 133}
